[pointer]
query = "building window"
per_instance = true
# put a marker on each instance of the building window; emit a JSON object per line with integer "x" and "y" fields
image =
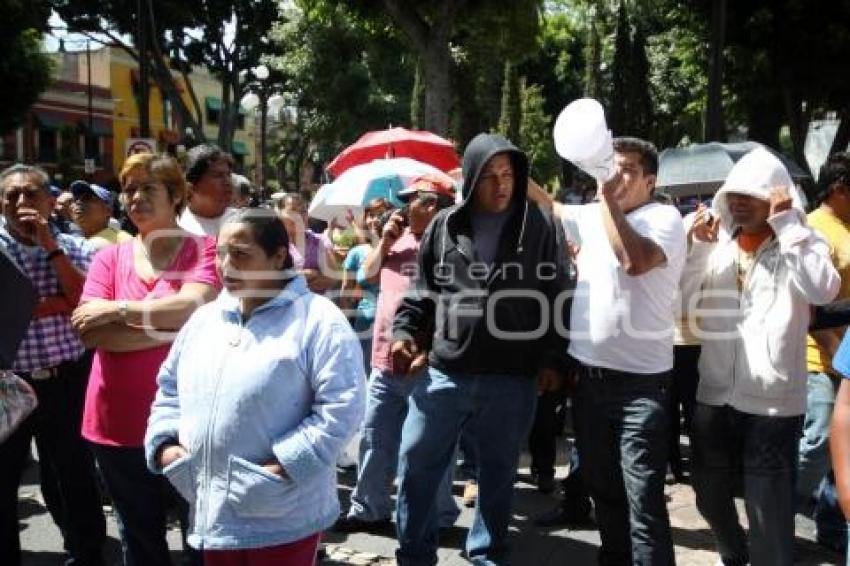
{"x": 213, "y": 108}
{"x": 47, "y": 145}
{"x": 91, "y": 150}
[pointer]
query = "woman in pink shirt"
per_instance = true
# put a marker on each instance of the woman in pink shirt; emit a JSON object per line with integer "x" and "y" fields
{"x": 137, "y": 295}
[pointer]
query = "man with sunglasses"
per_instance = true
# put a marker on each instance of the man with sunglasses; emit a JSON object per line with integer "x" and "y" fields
{"x": 51, "y": 358}
{"x": 92, "y": 211}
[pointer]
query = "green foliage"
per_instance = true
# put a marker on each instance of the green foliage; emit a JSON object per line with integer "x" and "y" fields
{"x": 24, "y": 70}
{"x": 346, "y": 74}
{"x": 509, "y": 120}
{"x": 535, "y": 136}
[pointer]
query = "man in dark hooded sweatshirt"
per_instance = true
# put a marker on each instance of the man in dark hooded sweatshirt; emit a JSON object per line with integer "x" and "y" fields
{"x": 494, "y": 285}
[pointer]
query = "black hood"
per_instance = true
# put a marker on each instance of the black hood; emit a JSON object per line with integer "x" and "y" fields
{"x": 479, "y": 151}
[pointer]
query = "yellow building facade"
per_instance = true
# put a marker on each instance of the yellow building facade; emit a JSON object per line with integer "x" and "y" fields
{"x": 168, "y": 133}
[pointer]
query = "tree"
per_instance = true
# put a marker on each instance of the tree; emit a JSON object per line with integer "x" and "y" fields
{"x": 619, "y": 114}
{"x": 24, "y": 68}
{"x": 180, "y": 34}
{"x": 640, "y": 104}
{"x": 509, "y": 120}
{"x": 439, "y": 34}
{"x": 715, "y": 125}
{"x": 535, "y": 135}
{"x": 346, "y": 74}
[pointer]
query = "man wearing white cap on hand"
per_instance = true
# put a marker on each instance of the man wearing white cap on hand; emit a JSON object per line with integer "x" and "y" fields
{"x": 762, "y": 269}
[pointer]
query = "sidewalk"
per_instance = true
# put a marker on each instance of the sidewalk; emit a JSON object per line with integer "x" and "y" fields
{"x": 546, "y": 547}
{"x": 532, "y": 546}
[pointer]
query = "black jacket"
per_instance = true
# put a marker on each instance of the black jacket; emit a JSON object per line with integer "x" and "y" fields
{"x": 498, "y": 320}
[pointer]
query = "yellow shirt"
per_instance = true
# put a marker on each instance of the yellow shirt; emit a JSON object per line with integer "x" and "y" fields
{"x": 837, "y": 235}
{"x": 109, "y": 236}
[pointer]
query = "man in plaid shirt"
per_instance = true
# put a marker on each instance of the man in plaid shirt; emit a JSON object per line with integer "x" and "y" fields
{"x": 52, "y": 358}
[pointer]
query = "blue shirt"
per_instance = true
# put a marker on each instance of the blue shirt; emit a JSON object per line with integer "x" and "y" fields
{"x": 369, "y": 301}
{"x": 285, "y": 385}
{"x": 841, "y": 361}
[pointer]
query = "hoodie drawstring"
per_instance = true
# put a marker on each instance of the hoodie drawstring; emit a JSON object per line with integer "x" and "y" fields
{"x": 519, "y": 247}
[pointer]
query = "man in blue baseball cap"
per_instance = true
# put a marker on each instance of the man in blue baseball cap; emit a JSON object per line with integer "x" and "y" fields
{"x": 92, "y": 210}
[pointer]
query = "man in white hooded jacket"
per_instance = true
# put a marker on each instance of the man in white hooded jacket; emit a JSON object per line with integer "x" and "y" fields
{"x": 754, "y": 269}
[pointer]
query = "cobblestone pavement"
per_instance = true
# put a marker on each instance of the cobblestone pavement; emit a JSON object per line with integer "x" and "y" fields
{"x": 532, "y": 546}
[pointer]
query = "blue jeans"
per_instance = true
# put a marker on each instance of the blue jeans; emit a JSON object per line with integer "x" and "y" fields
{"x": 726, "y": 442}
{"x": 386, "y": 409}
{"x": 495, "y": 413}
{"x": 813, "y": 462}
{"x": 622, "y": 436}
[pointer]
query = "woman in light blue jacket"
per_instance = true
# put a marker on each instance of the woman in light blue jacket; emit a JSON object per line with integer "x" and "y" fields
{"x": 258, "y": 395}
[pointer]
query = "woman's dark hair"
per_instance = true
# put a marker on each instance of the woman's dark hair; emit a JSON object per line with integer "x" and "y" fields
{"x": 201, "y": 157}
{"x": 268, "y": 230}
{"x": 835, "y": 171}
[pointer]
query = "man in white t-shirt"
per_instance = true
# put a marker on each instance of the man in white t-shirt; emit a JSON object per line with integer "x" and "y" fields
{"x": 631, "y": 251}
{"x": 208, "y": 171}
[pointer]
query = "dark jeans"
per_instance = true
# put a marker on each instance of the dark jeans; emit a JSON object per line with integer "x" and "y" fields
{"x": 728, "y": 444}
{"x": 683, "y": 395}
{"x": 544, "y": 434}
{"x": 67, "y": 473}
{"x": 141, "y": 501}
{"x": 622, "y": 433}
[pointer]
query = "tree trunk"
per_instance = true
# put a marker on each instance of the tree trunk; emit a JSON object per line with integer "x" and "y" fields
{"x": 227, "y": 116}
{"x": 509, "y": 120}
{"x": 592, "y": 80}
{"x": 798, "y": 123}
{"x": 417, "y": 98}
{"x": 764, "y": 117}
{"x": 431, "y": 42}
{"x": 436, "y": 63}
{"x": 620, "y": 115}
{"x": 715, "y": 124}
{"x": 165, "y": 81}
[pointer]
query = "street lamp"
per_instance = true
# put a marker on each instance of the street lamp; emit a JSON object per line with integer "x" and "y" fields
{"x": 261, "y": 95}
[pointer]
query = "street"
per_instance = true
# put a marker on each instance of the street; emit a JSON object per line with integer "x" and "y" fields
{"x": 532, "y": 546}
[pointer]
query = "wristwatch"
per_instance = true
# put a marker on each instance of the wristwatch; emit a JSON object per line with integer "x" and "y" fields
{"x": 55, "y": 253}
{"x": 122, "y": 309}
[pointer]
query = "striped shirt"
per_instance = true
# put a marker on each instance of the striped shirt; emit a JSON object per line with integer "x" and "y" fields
{"x": 51, "y": 340}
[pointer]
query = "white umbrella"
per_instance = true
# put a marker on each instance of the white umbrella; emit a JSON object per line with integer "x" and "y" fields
{"x": 358, "y": 186}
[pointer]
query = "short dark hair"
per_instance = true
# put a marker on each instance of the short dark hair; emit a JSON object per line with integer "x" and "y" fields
{"x": 442, "y": 200}
{"x": 269, "y": 232}
{"x": 836, "y": 170}
{"x": 37, "y": 173}
{"x": 646, "y": 150}
{"x": 201, "y": 157}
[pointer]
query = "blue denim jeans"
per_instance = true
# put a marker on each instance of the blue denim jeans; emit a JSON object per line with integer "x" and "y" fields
{"x": 386, "y": 409}
{"x": 829, "y": 519}
{"x": 495, "y": 413}
{"x": 622, "y": 436}
{"x": 813, "y": 462}
{"x": 726, "y": 444}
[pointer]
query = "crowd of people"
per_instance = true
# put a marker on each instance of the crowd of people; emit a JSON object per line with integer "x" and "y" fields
{"x": 210, "y": 358}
